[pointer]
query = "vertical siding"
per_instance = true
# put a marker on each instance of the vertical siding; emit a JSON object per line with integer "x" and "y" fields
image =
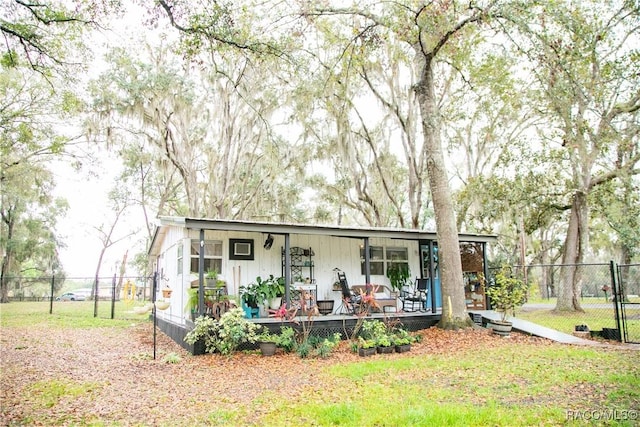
{"x": 330, "y": 252}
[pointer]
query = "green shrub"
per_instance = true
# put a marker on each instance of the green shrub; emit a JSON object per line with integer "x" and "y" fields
{"x": 287, "y": 339}
{"x": 225, "y": 335}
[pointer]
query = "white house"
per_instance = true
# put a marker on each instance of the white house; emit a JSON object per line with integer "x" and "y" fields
{"x": 184, "y": 249}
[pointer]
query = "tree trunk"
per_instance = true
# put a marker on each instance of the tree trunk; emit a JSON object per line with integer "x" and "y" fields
{"x": 7, "y": 258}
{"x": 570, "y": 286}
{"x": 454, "y": 311}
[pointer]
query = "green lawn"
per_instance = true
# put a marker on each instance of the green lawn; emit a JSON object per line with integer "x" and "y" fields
{"x": 73, "y": 314}
{"x": 595, "y": 318}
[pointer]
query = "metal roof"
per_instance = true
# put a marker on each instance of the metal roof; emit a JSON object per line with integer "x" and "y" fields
{"x": 291, "y": 228}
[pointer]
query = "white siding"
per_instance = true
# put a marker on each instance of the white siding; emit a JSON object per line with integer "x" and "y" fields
{"x": 329, "y": 252}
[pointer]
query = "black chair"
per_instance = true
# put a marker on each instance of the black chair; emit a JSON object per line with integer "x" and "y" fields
{"x": 350, "y": 301}
{"x": 416, "y": 296}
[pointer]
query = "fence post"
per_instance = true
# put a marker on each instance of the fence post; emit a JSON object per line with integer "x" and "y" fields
{"x": 95, "y": 297}
{"x": 53, "y": 280}
{"x": 113, "y": 296}
{"x": 614, "y": 291}
{"x": 153, "y": 300}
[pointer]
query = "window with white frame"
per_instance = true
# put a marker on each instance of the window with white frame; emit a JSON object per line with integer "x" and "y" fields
{"x": 212, "y": 255}
{"x": 381, "y": 258}
{"x": 180, "y": 258}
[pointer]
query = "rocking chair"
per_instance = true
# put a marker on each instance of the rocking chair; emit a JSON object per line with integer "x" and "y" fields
{"x": 416, "y": 297}
{"x": 350, "y": 300}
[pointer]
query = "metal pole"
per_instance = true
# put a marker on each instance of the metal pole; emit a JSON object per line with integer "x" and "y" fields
{"x": 200, "y": 275}
{"x": 95, "y": 298}
{"x": 153, "y": 311}
{"x": 614, "y": 290}
{"x": 53, "y": 277}
{"x": 432, "y": 276}
{"x": 113, "y": 295}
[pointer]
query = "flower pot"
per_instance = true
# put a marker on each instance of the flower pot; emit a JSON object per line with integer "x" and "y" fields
{"x": 325, "y": 306}
{"x": 365, "y": 352}
{"x": 275, "y": 303}
{"x": 267, "y": 348}
{"x": 386, "y": 350}
{"x": 403, "y": 348}
{"x": 162, "y": 305}
{"x": 501, "y": 328}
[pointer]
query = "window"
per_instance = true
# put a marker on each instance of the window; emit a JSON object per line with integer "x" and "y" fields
{"x": 381, "y": 259}
{"x": 180, "y": 257}
{"x": 376, "y": 260}
{"x": 212, "y": 255}
{"x": 398, "y": 257}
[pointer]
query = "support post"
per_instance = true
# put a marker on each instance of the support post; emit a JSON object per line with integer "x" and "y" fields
{"x": 201, "y": 275}
{"x": 287, "y": 270}
{"x": 367, "y": 261}
{"x": 615, "y": 292}
{"x": 53, "y": 280}
{"x": 113, "y": 296}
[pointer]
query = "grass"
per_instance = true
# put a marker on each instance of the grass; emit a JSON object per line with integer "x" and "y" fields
{"x": 67, "y": 314}
{"x": 595, "y": 318}
{"x": 523, "y": 385}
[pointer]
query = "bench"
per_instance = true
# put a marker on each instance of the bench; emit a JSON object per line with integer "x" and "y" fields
{"x": 385, "y": 298}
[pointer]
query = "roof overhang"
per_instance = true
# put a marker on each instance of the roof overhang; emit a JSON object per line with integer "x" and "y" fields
{"x": 290, "y": 228}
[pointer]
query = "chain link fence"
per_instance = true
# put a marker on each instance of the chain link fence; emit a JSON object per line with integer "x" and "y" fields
{"x": 45, "y": 288}
{"x": 601, "y": 314}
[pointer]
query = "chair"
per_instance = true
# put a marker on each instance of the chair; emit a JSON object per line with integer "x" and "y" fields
{"x": 416, "y": 296}
{"x": 350, "y": 301}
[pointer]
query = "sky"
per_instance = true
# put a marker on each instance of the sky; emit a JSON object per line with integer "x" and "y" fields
{"x": 88, "y": 209}
{"x": 86, "y": 191}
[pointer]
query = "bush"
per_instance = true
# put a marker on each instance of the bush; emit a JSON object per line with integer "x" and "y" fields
{"x": 225, "y": 335}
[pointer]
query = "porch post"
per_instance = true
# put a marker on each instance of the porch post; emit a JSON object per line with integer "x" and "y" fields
{"x": 287, "y": 270}
{"x": 367, "y": 262}
{"x": 485, "y": 271}
{"x": 201, "y": 274}
{"x": 432, "y": 278}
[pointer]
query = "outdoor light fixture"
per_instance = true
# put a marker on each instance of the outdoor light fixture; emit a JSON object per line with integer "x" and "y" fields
{"x": 268, "y": 242}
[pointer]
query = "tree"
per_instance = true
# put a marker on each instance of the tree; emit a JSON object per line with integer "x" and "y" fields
{"x": 27, "y": 144}
{"x": 428, "y": 30}
{"x": 227, "y": 160}
{"x": 583, "y": 58}
{"x": 32, "y": 33}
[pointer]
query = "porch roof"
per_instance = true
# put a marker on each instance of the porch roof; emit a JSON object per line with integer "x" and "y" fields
{"x": 355, "y": 232}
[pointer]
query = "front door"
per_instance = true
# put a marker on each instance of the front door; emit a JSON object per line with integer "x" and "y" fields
{"x": 430, "y": 270}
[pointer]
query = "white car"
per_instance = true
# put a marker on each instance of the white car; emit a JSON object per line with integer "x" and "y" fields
{"x": 70, "y": 296}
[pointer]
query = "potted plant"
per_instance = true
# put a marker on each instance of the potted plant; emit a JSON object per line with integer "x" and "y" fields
{"x": 505, "y": 294}
{"x": 250, "y": 297}
{"x": 366, "y": 347}
{"x": 384, "y": 344}
{"x": 191, "y": 305}
{"x": 402, "y": 340}
{"x": 398, "y": 275}
{"x": 268, "y": 343}
{"x": 211, "y": 278}
{"x": 272, "y": 290}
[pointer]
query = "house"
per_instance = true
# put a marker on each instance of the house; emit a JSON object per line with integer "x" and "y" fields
{"x": 183, "y": 250}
